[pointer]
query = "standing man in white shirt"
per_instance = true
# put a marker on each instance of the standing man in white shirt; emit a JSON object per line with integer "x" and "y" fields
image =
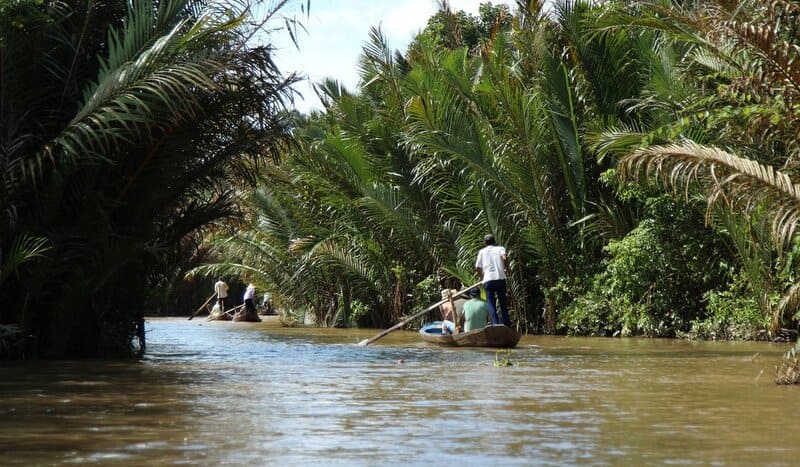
{"x": 221, "y": 289}
{"x": 491, "y": 266}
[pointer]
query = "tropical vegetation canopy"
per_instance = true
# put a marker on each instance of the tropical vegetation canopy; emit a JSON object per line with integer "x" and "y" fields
{"x": 127, "y": 126}
{"x": 636, "y": 159}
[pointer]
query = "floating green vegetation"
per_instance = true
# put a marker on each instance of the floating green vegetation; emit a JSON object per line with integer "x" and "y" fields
{"x": 503, "y": 358}
{"x": 788, "y": 372}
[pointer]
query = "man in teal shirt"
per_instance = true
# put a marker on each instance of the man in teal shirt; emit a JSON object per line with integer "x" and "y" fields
{"x": 476, "y": 311}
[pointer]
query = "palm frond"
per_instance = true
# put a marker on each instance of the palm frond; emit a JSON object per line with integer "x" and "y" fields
{"x": 728, "y": 181}
{"x": 24, "y": 248}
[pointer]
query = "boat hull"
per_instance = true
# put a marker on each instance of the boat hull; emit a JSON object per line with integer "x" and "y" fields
{"x": 243, "y": 315}
{"x": 497, "y": 336}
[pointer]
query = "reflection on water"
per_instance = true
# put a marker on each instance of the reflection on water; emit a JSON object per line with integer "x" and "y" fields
{"x": 254, "y": 393}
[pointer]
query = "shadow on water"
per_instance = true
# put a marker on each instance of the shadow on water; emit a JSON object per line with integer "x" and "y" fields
{"x": 255, "y": 393}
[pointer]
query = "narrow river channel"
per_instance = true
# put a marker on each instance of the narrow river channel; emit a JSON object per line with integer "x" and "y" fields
{"x": 258, "y": 394}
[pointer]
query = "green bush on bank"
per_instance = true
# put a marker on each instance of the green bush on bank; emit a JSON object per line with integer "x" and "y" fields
{"x": 730, "y": 314}
{"x": 652, "y": 280}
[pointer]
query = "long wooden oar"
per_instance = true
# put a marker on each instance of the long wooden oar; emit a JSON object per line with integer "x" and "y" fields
{"x": 203, "y": 305}
{"x": 414, "y": 316}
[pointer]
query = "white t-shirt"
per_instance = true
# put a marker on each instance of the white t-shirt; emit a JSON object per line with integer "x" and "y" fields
{"x": 221, "y": 289}
{"x": 491, "y": 262}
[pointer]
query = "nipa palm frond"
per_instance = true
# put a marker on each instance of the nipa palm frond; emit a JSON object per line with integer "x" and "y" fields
{"x": 24, "y": 248}
{"x": 734, "y": 182}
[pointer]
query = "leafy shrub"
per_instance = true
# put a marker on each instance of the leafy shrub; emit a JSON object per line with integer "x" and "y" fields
{"x": 731, "y": 314}
{"x": 426, "y": 291}
{"x": 590, "y": 314}
{"x": 653, "y": 279}
{"x": 358, "y": 310}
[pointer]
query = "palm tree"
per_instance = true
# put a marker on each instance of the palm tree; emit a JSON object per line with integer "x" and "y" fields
{"x": 744, "y": 50}
{"x": 116, "y": 159}
{"x": 735, "y": 184}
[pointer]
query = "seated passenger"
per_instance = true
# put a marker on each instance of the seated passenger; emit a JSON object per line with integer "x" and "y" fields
{"x": 448, "y": 314}
{"x": 266, "y": 304}
{"x": 448, "y": 327}
{"x": 476, "y": 311}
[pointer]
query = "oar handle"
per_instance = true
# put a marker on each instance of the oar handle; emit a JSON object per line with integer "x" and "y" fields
{"x": 203, "y": 305}
{"x": 415, "y": 315}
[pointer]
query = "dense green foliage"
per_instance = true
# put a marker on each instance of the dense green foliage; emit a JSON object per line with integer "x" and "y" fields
{"x": 636, "y": 159}
{"x": 555, "y": 131}
{"x": 126, "y": 127}
{"x": 454, "y": 29}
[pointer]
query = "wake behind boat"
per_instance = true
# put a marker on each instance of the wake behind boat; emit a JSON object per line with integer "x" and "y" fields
{"x": 497, "y": 335}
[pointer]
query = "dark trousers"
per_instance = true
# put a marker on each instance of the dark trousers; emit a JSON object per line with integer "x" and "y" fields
{"x": 249, "y": 306}
{"x": 496, "y": 291}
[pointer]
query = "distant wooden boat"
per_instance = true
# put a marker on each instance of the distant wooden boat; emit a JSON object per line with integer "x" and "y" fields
{"x": 244, "y": 315}
{"x": 497, "y": 336}
{"x": 266, "y": 311}
{"x": 219, "y": 317}
{"x": 216, "y": 314}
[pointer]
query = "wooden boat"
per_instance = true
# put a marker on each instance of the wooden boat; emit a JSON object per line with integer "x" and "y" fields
{"x": 216, "y": 314}
{"x": 244, "y": 315}
{"x": 219, "y": 317}
{"x": 496, "y": 335}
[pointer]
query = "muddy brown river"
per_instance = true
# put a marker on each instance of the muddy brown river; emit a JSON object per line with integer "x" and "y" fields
{"x": 258, "y": 394}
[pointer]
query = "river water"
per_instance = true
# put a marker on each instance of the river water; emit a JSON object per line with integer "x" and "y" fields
{"x": 258, "y": 394}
